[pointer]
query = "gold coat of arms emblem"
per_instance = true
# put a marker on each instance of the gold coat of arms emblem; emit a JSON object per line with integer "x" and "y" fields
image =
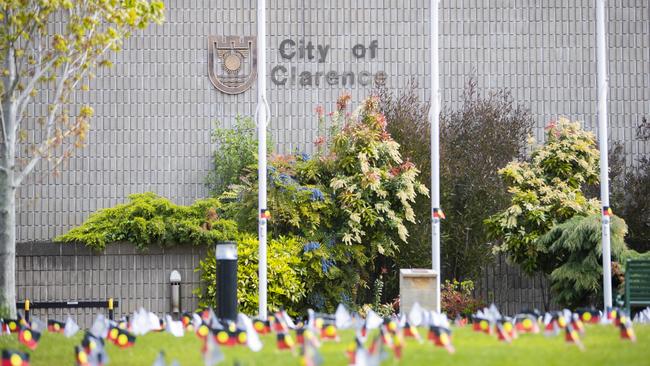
{"x": 232, "y": 63}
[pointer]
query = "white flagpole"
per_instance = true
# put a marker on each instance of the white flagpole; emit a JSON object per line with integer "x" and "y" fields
{"x": 262, "y": 121}
{"x": 434, "y": 117}
{"x": 604, "y": 165}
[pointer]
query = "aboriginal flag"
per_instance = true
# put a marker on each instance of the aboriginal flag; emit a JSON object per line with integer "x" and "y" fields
{"x": 589, "y": 316}
{"x": 29, "y": 337}
{"x": 284, "y": 341}
{"x": 81, "y": 356}
{"x": 262, "y": 326}
{"x": 328, "y": 332}
{"x": 441, "y": 337}
{"x": 14, "y": 358}
{"x": 121, "y": 337}
{"x": 626, "y": 331}
{"x": 186, "y": 319}
{"x": 55, "y": 326}
{"x": 10, "y": 325}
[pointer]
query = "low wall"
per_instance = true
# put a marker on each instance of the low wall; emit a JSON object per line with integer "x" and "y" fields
{"x": 48, "y": 271}
{"x": 512, "y": 290}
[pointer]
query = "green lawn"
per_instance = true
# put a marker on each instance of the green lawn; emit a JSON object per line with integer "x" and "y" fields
{"x": 602, "y": 343}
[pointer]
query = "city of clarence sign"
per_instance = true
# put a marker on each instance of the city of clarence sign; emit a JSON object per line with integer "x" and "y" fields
{"x": 232, "y": 65}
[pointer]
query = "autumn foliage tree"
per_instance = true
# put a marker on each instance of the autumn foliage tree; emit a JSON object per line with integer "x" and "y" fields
{"x": 44, "y": 64}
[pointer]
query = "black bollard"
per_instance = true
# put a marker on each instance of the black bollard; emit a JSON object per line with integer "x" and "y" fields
{"x": 226, "y": 253}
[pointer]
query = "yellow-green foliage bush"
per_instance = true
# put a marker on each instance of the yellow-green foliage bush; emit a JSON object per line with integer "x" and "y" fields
{"x": 286, "y": 286}
{"x": 148, "y": 219}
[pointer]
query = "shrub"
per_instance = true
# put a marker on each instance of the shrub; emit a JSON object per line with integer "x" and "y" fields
{"x": 545, "y": 191}
{"x": 148, "y": 219}
{"x": 633, "y": 203}
{"x": 286, "y": 287}
{"x": 576, "y": 280}
{"x": 236, "y": 150}
{"x": 457, "y": 300}
{"x": 351, "y": 199}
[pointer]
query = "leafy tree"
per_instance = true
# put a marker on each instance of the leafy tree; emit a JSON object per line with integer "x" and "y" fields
{"x": 483, "y": 134}
{"x": 546, "y": 191}
{"x": 45, "y": 65}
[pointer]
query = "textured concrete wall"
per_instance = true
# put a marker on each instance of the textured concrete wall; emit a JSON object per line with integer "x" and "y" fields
{"x": 72, "y": 272}
{"x": 155, "y": 109}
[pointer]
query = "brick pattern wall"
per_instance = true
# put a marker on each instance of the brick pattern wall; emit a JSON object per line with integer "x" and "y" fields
{"x": 70, "y": 272}
{"x": 155, "y": 109}
{"x": 511, "y": 290}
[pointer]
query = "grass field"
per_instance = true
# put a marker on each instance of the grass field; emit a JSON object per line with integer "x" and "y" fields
{"x": 602, "y": 343}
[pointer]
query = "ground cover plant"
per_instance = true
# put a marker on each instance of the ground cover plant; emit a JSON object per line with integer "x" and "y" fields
{"x": 602, "y": 347}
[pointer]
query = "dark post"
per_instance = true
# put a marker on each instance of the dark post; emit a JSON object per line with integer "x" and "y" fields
{"x": 27, "y": 310}
{"x": 226, "y": 253}
{"x": 110, "y": 309}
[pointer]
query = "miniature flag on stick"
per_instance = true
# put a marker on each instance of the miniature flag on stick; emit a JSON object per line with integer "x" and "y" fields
{"x": 54, "y": 326}
{"x": 121, "y": 337}
{"x": 10, "y": 326}
{"x": 589, "y": 316}
{"x": 81, "y": 356}
{"x": 29, "y": 337}
{"x": 626, "y": 331}
{"x": 14, "y": 358}
{"x": 526, "y": 323}
{"x": 572, "y": 336}
{"x": 441, "y": 337}
{"x": 284, "y": 341}
{"x": 438, "y": 214}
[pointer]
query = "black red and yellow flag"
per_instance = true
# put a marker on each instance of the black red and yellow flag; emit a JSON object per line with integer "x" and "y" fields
{"x": 55, "y": 326}
{"x": 589, "y": 316}
{"x": 329, "y": 332}
{"x": 627, "y": 332}
{"x": 441, "y": 337}
{"x": 81, "y": 356}
{"x": 572, "y": 336}
{"x": 14, "y": 358}
{"x": 121, "y": 337}
{"x": 526, "y": 324}
{"x": 9, "y": 325}
{"x": 29, "y": 337}
{"x": 186, "y": 319}
{"x": 411, "y": 332}
{"x": 90, "y": 343}
{"x": 284, "y": 341}
{"x": 262, "y": 326}
{"x": 203, "y": 331}
{"x": 438, "y": 214}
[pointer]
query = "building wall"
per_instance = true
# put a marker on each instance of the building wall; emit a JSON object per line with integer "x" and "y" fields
{"x": 155, "y": 110}
{"x": 47, "y": 271}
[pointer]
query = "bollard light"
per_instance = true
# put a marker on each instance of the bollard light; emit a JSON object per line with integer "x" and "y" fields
{"x": 226, "y": 253}
{"x": 175, "y": 281}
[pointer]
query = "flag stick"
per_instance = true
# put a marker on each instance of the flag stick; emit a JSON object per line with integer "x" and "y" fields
{"x": 262, "y": 121}
{"x": 434, "y": 118}
{"x": 601, "y": 43}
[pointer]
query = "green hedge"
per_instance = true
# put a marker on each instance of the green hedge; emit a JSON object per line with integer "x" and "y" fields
{"x": 148, "y": 219}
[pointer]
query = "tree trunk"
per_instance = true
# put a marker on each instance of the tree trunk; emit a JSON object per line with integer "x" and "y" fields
{"x": 8, "y": 242}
